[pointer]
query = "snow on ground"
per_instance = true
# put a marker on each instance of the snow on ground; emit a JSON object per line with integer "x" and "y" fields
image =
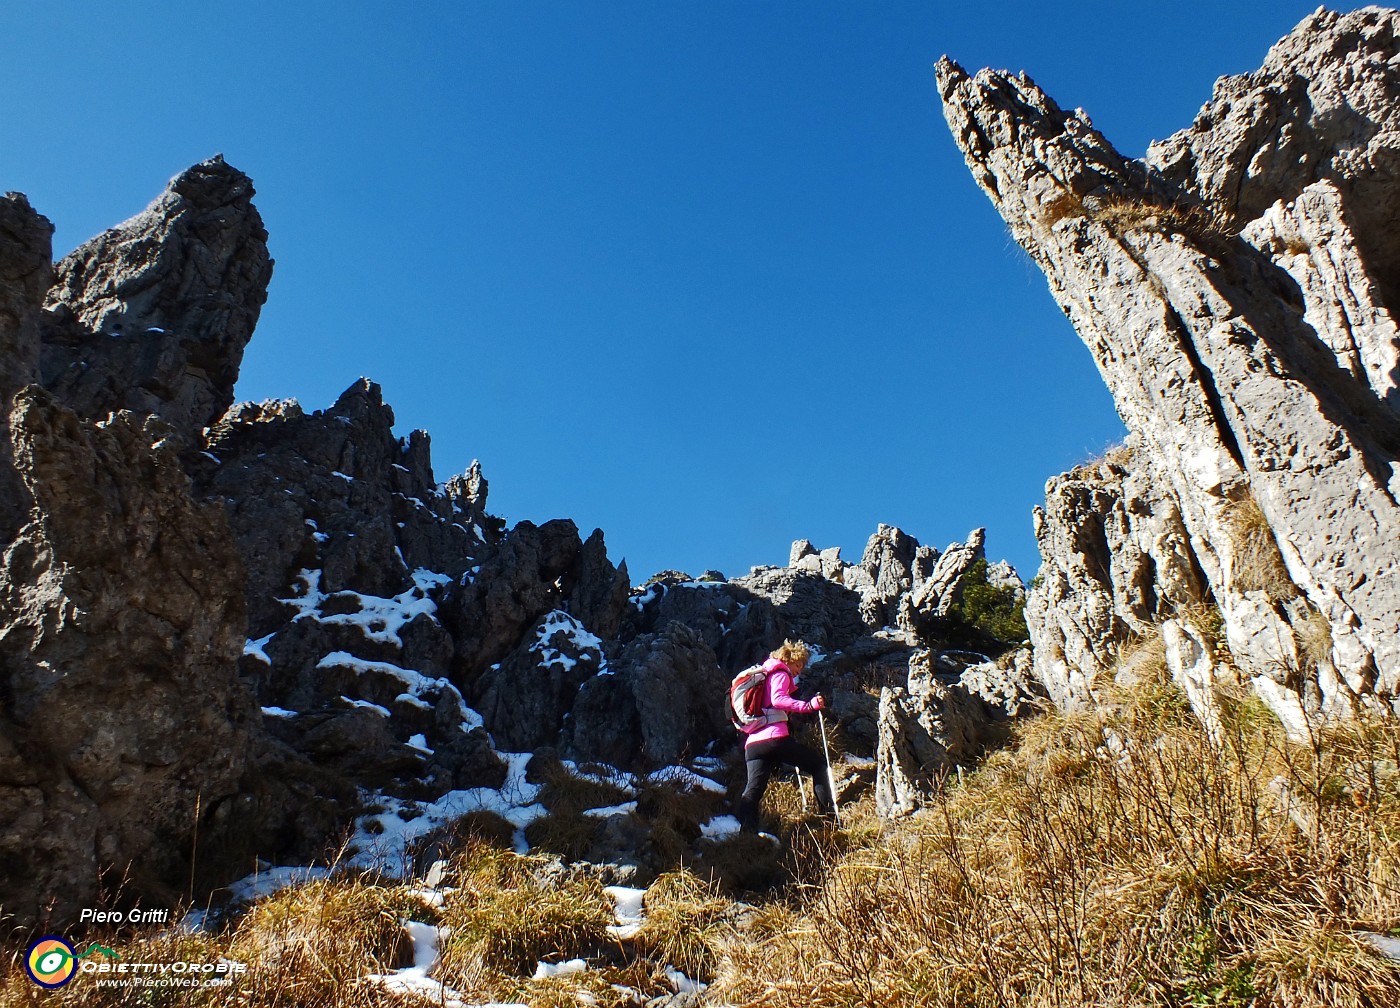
{"x": 413, "y": 981}
{"x": 611, "y": 810}
{"x": 685, "y": 777}
{"x": 281, "y": 712}
{"x": 252, "y": 887}
{"x": 683, "y": 984}
{"x": 307, "y": 596}
{"x": 254, "y": 648}
{"x": 628, "y": 910}
{"x": 381, "y": 619}
{"x": 471, "y": 720}
{"x": 544, "y": 970}
{"x": 271, "y": 880}
{"x": 601, "y": 773}
{"x": 415, "y": 682}
{"x": 381, "y": 839}
{"x": 720, "y": 828}
{"x": 657, "y": 590}
{"x": 434, "y": 898}
{"x": 381, "y": 711}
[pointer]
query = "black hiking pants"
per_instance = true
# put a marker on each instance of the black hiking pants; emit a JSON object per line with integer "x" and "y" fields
{"x": 762, "y": 758}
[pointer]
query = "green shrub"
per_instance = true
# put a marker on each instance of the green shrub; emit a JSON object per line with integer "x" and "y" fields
{"x": 996, "y": 610}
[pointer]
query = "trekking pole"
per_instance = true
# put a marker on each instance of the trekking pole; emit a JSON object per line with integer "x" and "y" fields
{"x": 830, "y": 777}
{"x": 802, "y": 789}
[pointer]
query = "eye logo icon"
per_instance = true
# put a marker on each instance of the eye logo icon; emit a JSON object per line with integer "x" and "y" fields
{"x": 51, "y": 962}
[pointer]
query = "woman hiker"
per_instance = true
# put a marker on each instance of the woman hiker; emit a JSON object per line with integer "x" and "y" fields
{"x": 769, "y": 744}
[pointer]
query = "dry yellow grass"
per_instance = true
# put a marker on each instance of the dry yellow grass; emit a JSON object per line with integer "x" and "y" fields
{"x": 309, "y": 945}
{"x": 687, "y": 918}
{"x": 506, "y": 916}
{"x": 1122, "y": 213}
{"x": 1110, "y": 859}
{"x": 1258, "y": 563}
{"x": 1118, "y": 861}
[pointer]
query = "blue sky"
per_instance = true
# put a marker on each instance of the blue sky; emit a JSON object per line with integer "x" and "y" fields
{"x": 711, "y": 276}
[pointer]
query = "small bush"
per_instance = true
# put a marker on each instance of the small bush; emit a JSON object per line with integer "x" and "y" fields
{"x": 568, "y": 793}
{"x": 744, "y": 862}
{"x": 1124, "y": 214}
{"x": 673, "y": 814}
{"x": 1314, "y": 635}
{"x": 1118, "y": 456}
{"x": 474, "y": 828}
{"x": 587, "y": 987}
{"x": 996, "y": 610}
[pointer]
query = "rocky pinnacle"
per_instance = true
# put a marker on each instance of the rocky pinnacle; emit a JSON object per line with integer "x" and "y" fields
{"x": 1220, "y": 364}
{"x": 153, "y": 315}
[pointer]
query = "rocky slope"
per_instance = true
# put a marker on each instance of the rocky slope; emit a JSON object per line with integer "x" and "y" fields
{"x": 1235, "y": 289}
{"x": 231, "y": 632}
{"x": 122, "y": 718}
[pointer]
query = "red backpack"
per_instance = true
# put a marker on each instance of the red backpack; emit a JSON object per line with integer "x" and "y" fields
{"x": 746, "y": 699}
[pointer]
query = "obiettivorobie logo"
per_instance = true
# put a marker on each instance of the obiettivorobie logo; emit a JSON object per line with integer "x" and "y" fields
{"x": 51, "y": 962}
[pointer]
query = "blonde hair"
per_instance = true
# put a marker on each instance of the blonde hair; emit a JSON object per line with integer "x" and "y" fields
{"x": 792, "y": 653}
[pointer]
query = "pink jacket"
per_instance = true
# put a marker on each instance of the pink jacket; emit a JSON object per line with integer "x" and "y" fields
{"x": 777, "y": 696}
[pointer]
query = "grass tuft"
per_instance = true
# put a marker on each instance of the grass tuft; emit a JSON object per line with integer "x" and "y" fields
{"x": 687, "y": 919}
{"x": 1259, "y": 565}
{"x": 509, "y": 914}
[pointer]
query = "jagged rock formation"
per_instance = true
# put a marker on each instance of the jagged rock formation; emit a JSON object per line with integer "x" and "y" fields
{"x": 26, "y": 270}
{"x": 1117, "y": 562}
{"x": 933, "y": 599}
{"x": 1320, "y": 110}
{"x": 893, "y": 561}
{"x": 153, "y": 315}
{"x": 815, "y": 608}
{"x": 350, "y": 546}
{"x": 927, "y": 729}
{"x": 233, "y": 632}
{"x": 898, "y": 581}
{"x": 1263, "y": 405}
{"x": 336, "y": 492}
{"x": 534, "y": 570}
{"x": 121, "y": 616}
{"x": 657, "y": 707}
